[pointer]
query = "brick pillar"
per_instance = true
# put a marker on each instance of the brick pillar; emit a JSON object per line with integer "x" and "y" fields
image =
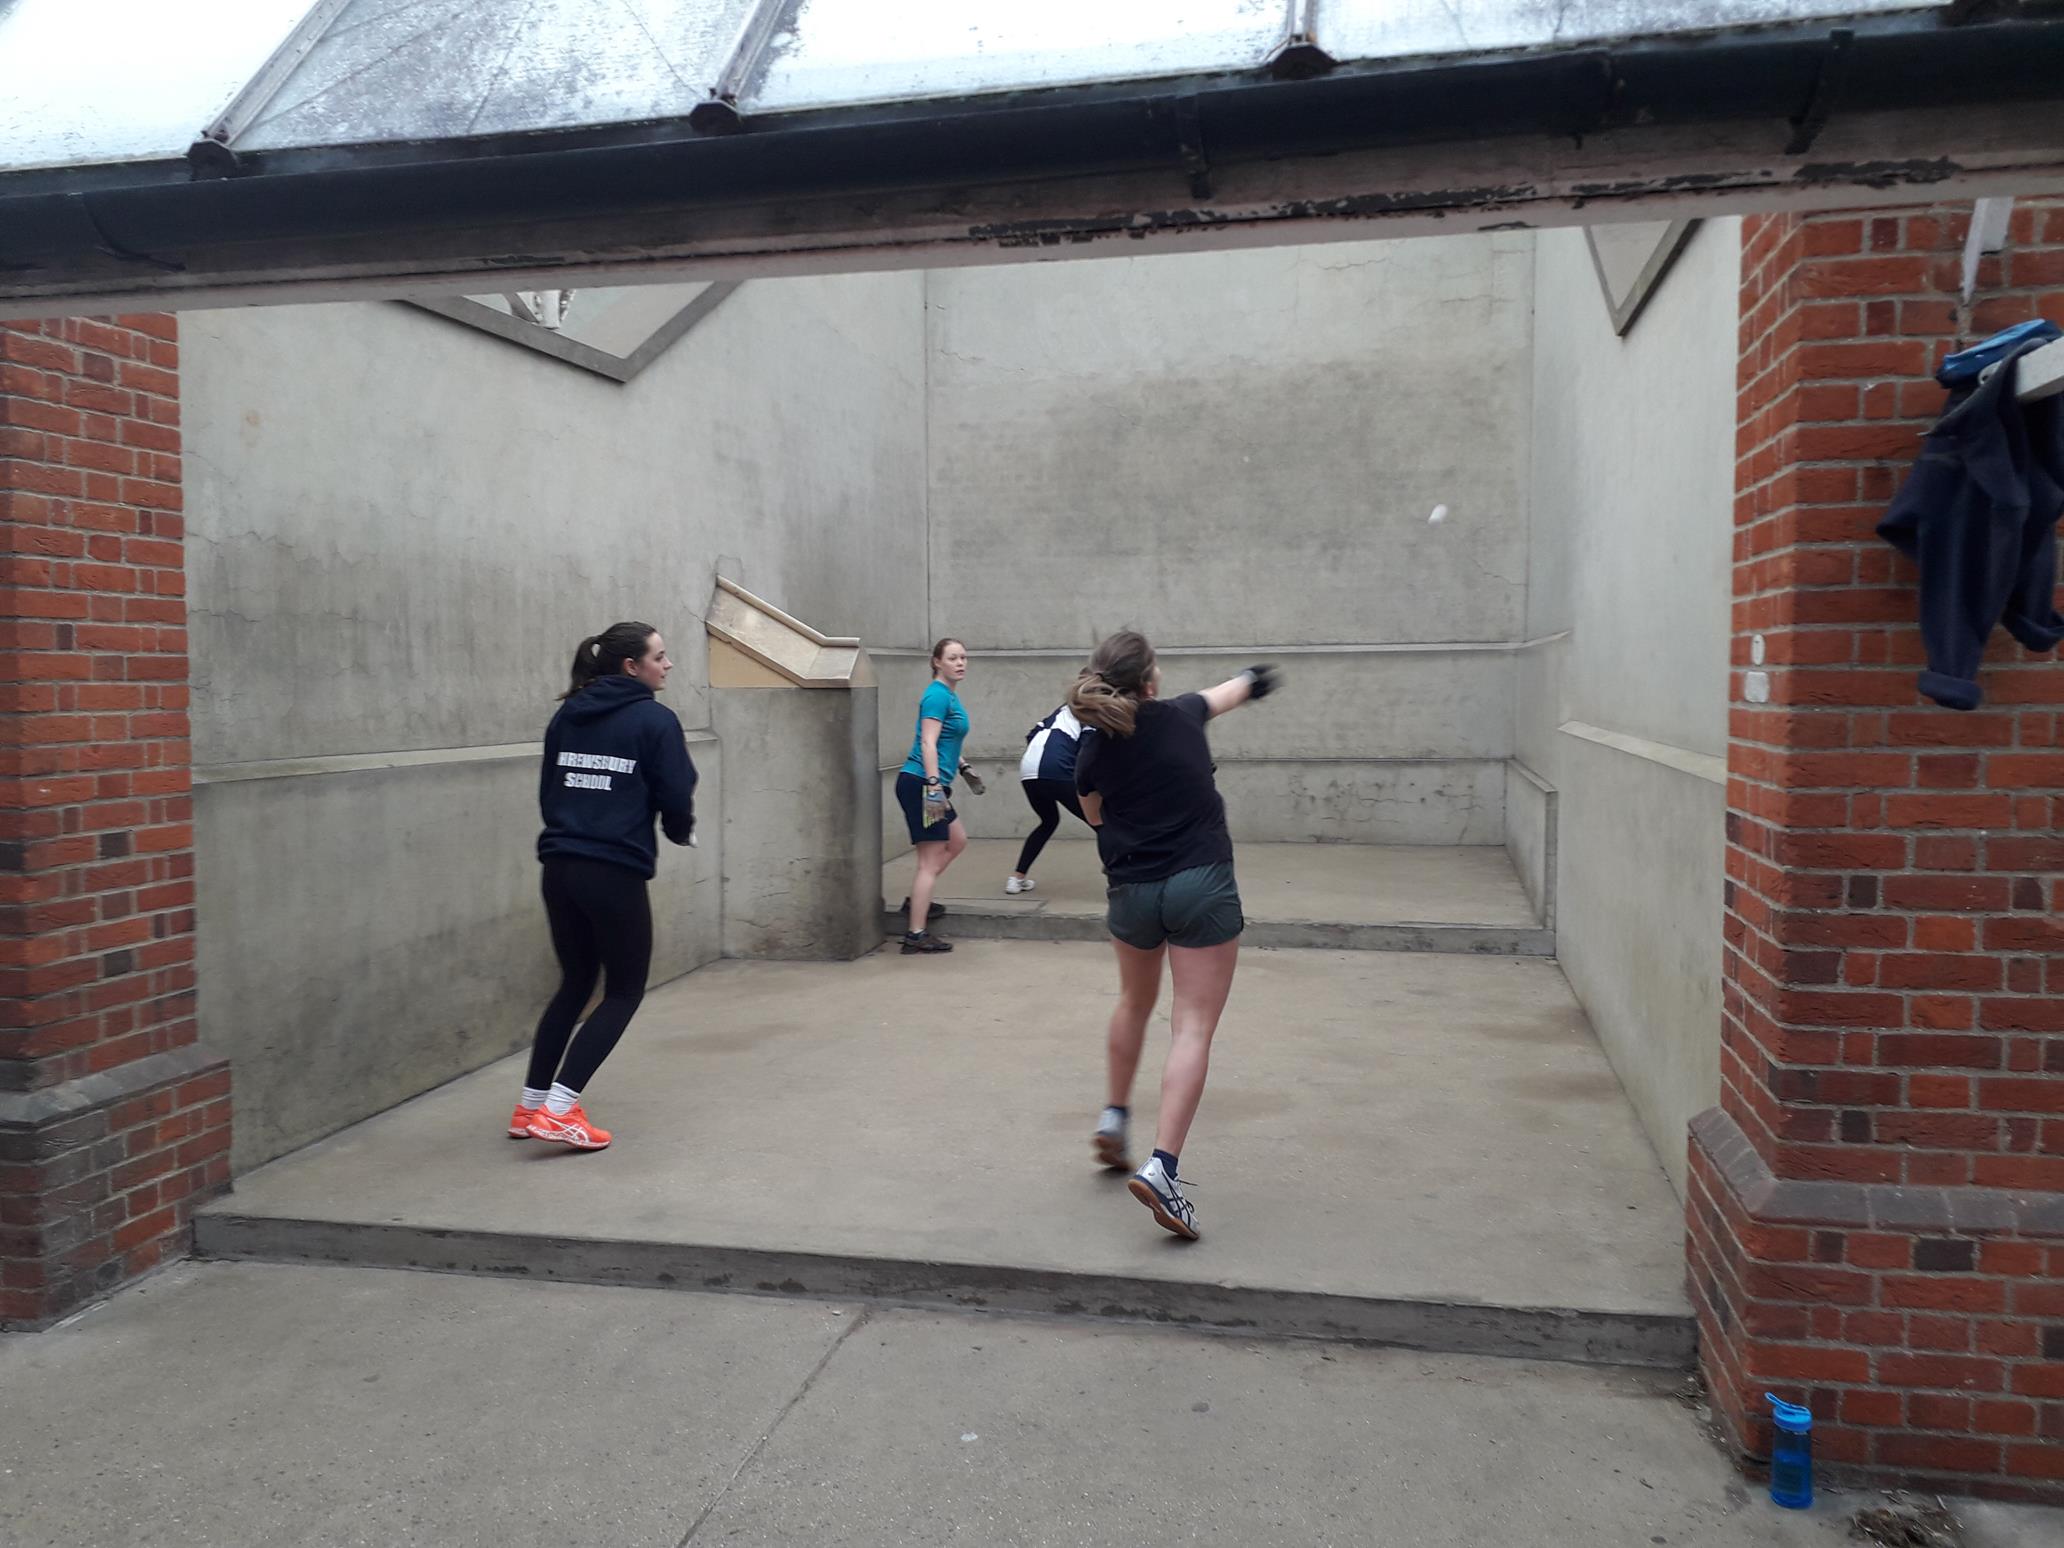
{"x": 113, "y": 1122}
{"x": 1877, "y": 1206}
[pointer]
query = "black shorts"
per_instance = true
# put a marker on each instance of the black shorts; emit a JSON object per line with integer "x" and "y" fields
{"x": 910, "y": 796}
{"x": 1198, "y": 907}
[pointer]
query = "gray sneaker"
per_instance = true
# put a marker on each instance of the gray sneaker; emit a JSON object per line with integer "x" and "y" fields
{"x": 1153, "y": 1187}
{"x": 1109, "y": 1141}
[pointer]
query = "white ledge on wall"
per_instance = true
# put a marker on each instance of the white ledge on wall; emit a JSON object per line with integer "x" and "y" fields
{"x": 376, "y": 762}
{"x": 1697, "y": 764}
{"x": 795, "y": 654}
{"x": 1253, "y": 650}
{"x": 359, "y": 763}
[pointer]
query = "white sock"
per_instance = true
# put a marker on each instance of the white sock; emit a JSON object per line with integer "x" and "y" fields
{"x": 531, "y": 1098}
{"x": 1112, "y": 1115}
{"x": 559, "y": 1101}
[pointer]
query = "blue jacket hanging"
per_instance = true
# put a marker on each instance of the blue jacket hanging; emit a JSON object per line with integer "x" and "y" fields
{"x": 1978, "y": 514}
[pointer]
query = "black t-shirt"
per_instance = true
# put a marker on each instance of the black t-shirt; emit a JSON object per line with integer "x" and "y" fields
{"x": 1162, "y": 813}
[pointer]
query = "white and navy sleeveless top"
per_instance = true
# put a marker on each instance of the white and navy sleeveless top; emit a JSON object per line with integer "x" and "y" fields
{"x": 1050, "y": 747}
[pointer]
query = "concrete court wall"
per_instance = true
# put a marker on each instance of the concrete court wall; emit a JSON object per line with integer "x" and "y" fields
{"x": 1621, "y": 706}
{"x": 398, "y": 529}
{"x": 1237, "y": 453}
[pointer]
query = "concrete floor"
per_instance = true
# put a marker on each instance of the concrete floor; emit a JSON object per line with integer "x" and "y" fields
{"x": 1422, "y": 1130}
{"x": 1352, "y": 884}
{"x": 261, "y": 1406}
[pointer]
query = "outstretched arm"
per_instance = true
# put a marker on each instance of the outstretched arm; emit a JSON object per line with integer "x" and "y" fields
{"x": 1257, "y": 682}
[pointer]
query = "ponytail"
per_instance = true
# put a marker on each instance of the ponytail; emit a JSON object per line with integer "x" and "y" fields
{"x": 600, "y": 655}
{"x": 1108, "y": 691}
{"x": 1096, "y": 703}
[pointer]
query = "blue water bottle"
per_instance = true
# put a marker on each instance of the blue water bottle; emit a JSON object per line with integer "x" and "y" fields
{"x": 1791, "y": 1454}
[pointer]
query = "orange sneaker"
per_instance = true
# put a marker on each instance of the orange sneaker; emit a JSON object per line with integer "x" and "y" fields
{"x": 571, "y": 1128}
{"x": 519, "y": 1121}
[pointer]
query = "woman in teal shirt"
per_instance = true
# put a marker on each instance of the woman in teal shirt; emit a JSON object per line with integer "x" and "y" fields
{"x": 924, "y": 790}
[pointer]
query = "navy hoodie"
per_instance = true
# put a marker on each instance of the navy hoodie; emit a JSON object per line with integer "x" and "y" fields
{"x": 1979, "y": 515}
{"x": 615, "y": 759}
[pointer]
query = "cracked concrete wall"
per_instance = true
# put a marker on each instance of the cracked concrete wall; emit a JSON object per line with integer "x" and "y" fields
{"x": 398, "y": 528}
{"x": 403, "y": 526}
{"x": 1631, "y": 583}
{"x": 1237, "y": 453}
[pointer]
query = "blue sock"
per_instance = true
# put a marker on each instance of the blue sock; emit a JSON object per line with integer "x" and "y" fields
{"x": 1166, "y": 1160}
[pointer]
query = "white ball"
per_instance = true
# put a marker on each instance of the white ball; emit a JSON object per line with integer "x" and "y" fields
{"x": 1440, "y": 514}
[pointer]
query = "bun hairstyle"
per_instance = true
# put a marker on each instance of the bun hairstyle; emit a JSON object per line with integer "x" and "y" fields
{"x": 1107, "y": 694}
{"x": 603, "y": 655}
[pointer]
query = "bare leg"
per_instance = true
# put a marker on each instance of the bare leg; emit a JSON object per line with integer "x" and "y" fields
{"x": 932, "y": 860}
{"x": 1139, "y": 985}
{"x": 1203, "y": 977}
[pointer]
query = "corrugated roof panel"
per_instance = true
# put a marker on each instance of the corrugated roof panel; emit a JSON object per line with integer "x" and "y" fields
{"x": 395, "y": 70}
{"x": 835, "y": 53}
{"x": 1352, "y": 30}
{"x": 84, "y": 82}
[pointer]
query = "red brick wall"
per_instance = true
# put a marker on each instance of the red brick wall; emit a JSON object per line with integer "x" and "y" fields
{"x": 1877, "y": 1207}
{"x": 112, "y": 1122}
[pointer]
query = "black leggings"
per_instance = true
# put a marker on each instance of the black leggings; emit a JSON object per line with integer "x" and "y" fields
{"x": 601, "y": 923}
{"x": 1047, "y": 796}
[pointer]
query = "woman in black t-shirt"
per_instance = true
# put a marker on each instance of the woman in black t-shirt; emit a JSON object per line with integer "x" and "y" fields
{"x": 1143, "y": 772}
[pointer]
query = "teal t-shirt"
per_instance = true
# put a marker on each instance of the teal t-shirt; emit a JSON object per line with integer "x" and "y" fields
{"x": 942, "y": 704}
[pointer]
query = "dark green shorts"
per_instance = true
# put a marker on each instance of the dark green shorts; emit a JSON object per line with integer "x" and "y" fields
{"x": 1197, "y": 907}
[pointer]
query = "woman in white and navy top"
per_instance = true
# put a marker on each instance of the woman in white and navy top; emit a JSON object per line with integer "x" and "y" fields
{"x": 1048, "y": 773}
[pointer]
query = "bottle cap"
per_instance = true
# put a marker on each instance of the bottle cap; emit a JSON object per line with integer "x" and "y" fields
{"x": 1790, "y": 1417}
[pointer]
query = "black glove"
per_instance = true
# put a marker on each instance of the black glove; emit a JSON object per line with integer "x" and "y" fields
{"x": 1262, "y": 680}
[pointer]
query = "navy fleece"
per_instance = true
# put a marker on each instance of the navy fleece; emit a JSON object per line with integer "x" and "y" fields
{"x": 1978, "y": 513}
{"x": 615, "y": 759}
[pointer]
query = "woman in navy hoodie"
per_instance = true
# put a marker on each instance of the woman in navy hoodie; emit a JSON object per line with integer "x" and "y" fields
{"x": 614, "y": 759}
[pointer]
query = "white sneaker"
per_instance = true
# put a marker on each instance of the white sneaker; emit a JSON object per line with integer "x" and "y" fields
{"x": 1017, "y": 884}
{"x": 1153, "y": 1187}
{"x": 1109, "y": 1141}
